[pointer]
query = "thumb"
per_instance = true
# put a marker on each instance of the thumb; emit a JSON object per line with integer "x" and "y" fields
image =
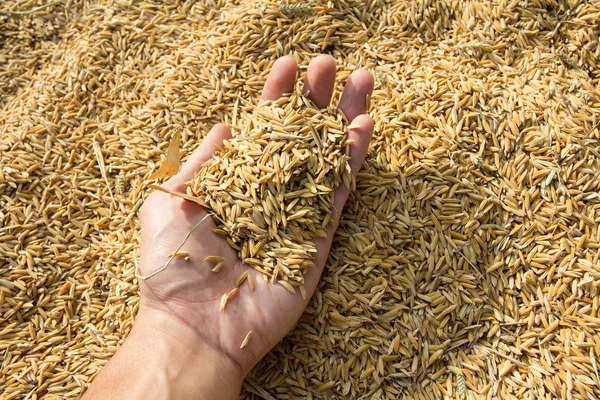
{"x": 215, "y": 137}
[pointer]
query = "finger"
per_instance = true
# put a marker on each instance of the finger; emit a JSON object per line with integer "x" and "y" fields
{"x": 320, "y": 79}
{"x": 358, "y": 151}
{"x": 354, "y": 97}
{"x": 215, "y": 137}
{"x": 281, "y": 79}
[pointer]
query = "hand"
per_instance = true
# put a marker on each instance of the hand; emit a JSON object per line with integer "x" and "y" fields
{"x": 181, "y": 304}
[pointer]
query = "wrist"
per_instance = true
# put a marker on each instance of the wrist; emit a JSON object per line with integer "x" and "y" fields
{"x": 187, "y": 364}
{"x": 162, "y": 358}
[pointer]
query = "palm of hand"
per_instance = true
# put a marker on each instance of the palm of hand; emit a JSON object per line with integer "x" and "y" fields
{"x": 188, "y": 291}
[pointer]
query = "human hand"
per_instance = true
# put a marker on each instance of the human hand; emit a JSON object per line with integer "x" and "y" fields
{"x": 181, "y": 304}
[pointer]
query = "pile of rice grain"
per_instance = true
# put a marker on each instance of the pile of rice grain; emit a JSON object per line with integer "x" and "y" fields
{"x": 466, "y": 261}
{"x": 272, "y": 185}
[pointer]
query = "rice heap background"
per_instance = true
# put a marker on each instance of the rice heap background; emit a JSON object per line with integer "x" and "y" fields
{"x": 466, "y": 263}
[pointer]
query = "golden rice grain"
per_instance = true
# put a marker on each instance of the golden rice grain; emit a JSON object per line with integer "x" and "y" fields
{"x": 243, "y": 276}
{"x": 224, "y": 299}
{"x": 251, "y": 282}
{"x": 325, "y": 386}
{"x": 218, "y": 266}
{"x": 287, "y": 286}
{"x": 232, "y": 293}
{"x": 179, "y": 253}
{"x": 246, "y": 340}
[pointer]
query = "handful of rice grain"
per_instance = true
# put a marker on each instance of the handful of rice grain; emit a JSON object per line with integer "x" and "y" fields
{"x": 272, "y": 186}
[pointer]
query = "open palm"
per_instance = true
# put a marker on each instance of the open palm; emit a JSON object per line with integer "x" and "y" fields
{"x": 188, "y": 292}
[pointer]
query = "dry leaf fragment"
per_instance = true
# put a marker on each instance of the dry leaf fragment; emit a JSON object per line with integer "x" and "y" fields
{"x": 171, "y": 164}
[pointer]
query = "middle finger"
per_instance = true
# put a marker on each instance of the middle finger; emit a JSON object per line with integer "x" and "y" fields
{"x": 320, "y": 79}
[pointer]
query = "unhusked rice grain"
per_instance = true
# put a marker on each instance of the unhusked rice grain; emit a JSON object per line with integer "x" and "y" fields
{"x": 271, "y": 186}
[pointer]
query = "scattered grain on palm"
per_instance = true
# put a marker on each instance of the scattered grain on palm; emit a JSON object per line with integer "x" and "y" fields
{"x": 179, "y": 253}
{"x": 243, "y": 276}
{"x": 223, "y": 302}
{"x": 218, "y": 266}
{"x": 251, "y": 283}
{"x": 246, "y": 340}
